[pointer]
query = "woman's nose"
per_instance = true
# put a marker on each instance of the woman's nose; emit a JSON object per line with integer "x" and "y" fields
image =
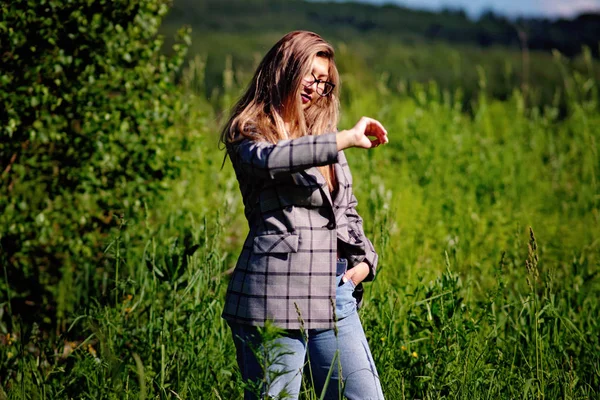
{"x": 309, "y": 87}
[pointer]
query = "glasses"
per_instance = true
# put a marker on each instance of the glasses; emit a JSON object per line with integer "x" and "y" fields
{"x": 324, "y": 88}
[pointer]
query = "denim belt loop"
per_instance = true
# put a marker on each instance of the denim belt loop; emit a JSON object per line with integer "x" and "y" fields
{"x": 342, "y": 266}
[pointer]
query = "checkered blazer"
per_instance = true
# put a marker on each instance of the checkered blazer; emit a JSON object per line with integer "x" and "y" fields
{"x": 288, "y": 261}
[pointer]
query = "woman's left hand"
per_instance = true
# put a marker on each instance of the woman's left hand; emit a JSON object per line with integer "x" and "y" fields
{"x": 357, "y": 274}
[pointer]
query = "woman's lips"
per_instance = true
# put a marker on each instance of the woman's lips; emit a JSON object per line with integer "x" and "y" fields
{"x": 305, "y": 98}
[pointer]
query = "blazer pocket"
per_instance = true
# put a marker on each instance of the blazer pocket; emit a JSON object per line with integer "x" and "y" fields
{"x": 279, "y": 243}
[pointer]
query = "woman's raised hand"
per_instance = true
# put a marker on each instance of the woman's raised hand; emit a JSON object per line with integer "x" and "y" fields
{"x": 366, "y": 134}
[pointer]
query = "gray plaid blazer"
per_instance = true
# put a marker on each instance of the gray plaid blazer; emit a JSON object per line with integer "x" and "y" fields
{"x": 287, "y": 265}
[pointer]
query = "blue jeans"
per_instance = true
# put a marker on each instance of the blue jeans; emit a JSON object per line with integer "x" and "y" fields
{"x": 275, "y": 368}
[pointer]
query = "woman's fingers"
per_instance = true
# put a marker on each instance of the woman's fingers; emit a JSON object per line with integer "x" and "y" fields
{"x": 368, "y": 133}
{"x": 376, "y": 129}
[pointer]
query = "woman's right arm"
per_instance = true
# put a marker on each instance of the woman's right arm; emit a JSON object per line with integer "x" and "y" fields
{"x": 270, "y": 161}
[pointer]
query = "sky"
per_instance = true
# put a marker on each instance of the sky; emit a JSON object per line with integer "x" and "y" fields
{"x": 510, "y": 8}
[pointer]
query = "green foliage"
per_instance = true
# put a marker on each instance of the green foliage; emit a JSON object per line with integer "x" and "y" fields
{"x": 467, "y": 302}
{"x": 85, "y": 103}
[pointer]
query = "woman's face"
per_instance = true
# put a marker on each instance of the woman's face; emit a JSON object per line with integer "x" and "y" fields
{"x": 320, "y": 71}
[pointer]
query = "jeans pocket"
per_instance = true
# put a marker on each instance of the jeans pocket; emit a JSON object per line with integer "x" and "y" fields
{"x": 345, "y": 303}
{"x": 351, "y": 283}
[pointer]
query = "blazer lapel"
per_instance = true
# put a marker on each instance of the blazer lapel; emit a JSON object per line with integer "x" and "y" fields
{"x": 311, "y": 177}
{"x": 342, "y": 183}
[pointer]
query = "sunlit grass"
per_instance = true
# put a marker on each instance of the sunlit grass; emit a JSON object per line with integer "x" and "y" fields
{"x": 468, "y": 302}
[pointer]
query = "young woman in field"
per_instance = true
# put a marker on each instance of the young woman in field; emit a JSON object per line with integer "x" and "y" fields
{"x": 306, "y": 255}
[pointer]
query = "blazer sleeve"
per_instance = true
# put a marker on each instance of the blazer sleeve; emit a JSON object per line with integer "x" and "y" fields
{"x": 266, "y": 160}
{"x": 355, "y": 229}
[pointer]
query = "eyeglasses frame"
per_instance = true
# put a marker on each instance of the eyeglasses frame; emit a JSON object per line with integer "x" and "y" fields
{"x": 328, "y": 84}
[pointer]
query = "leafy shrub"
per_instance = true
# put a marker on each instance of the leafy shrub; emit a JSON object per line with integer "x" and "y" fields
{"x": 86, "y": 100}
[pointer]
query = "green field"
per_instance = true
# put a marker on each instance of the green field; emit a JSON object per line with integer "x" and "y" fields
{"x": 486, "y": 220}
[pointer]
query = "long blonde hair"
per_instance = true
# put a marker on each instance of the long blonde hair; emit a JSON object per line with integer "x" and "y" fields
{"x": 273, "y": 96}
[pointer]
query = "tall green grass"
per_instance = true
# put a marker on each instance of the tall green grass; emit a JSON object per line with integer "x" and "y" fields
{"x": 487, "y": 225}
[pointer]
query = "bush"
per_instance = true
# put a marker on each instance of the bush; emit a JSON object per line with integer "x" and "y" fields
{"x": 86, "y": 100}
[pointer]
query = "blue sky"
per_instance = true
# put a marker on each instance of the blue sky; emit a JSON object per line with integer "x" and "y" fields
{"x": 511, "y": 8}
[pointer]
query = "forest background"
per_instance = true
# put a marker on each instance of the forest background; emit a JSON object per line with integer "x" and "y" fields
{"x": 118, "y": 224}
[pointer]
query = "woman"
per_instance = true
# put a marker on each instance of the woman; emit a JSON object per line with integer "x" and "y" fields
{"x": 302, "y": 265}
